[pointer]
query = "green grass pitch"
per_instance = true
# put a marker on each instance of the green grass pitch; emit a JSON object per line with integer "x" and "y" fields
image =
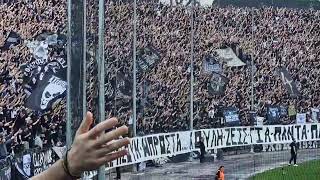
{"x": 305, "y": 171}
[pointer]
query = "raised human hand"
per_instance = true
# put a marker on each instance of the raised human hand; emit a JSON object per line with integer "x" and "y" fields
{"x": 92, "y": 148}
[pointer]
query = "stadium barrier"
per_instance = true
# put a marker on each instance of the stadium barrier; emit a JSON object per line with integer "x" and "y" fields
{"x": 162, "y": 145}
{"x": 170, "y": 144}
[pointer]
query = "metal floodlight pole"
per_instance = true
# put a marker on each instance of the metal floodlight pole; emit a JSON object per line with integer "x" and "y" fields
{"x": 76, "y": 70}
{"x": 191, "y": 66}
{"x": 252, "y": 73}
{"x": 252, "y": 85}
{"x": 134, "y": 91}
{"x": 252, "y": 88}
{"x": 101, "y": 76}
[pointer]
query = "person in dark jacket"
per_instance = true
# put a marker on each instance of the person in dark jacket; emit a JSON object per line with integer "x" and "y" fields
{"x": 202, "y": 150}
{"x": 294, "y": 152}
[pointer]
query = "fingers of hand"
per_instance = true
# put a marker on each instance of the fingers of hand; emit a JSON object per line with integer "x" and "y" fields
{"x": 112, "y": 156}
{"x": 85, "y": 124}
{"x": 101, "y": 127}
{"x": 117, "y": 144}
{"x": 115, "y": 134}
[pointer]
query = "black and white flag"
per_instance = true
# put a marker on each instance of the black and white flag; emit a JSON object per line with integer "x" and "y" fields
{"x": 36, "y": 69}
{"x": 273, "y": 114}
{"x": 42, "y": 160}
{"x": 26, "y": 162}
{"x": 283, "y": 111}
{"x": 47, "y": 91}
{"x": 231, "y": 116}
{"x": 228, "y": 55}
{"x": 147, "y": 58}
{"x": 217, "y": 84}
{"x": 18, "y": 173}
{"x": 45, "y": 82}
{"x": 18, "y": 168}
{"x": 288, "y": 82}
{"x": 211, "y": 65}
{"x": 45, "y": 77}
{"x": 13, "y": 39}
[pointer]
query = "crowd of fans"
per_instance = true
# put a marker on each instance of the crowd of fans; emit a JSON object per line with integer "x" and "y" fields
{"x": 22, "y": 128}
{"x": 270, "y": 36}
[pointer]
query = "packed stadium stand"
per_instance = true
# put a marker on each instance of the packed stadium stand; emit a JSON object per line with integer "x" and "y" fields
{"x": 270, "y": 37}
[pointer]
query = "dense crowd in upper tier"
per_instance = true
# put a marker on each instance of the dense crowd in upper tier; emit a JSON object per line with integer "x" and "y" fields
{"x": 270, "y": 36}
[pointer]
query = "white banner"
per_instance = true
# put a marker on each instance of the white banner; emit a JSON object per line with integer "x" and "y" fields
{"x": 170, "y": 144}
{"x": 301, "y": 118}
{"x": 286, "y": 146}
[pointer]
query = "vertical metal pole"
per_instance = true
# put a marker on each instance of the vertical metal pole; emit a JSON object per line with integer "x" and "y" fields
{"x": 101, "y": 75}
{"x": 134, "y": 92}
{"x": 76, "y": 71}
{"x": 252, "y": 73}
{"x": 252, "y": 89}
{"x": 84, "y": 62}
{"x": 191, "y": 66}
{"x": 69, "y": 119}
{"x": 252, "y": 85}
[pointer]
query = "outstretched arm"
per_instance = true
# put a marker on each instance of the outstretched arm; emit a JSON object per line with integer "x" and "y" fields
{"x": 90, "y": 149}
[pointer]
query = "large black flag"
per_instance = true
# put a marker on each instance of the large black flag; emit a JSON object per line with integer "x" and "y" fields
{"x": 288, "y": 82}
{"x": 217, "y": 84}
{"x": 46, "y": 92}
{"x": 13, "y": 39}
{"x": 147, "y": 58}
{"x": 45, "y": 82}
{"x": 45, "y": 78}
